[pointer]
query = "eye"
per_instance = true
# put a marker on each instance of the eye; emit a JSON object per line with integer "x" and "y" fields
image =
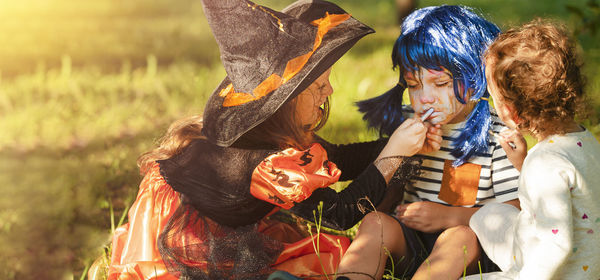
{"x": 412, "y": 85}
{"x": 442, "y": 84}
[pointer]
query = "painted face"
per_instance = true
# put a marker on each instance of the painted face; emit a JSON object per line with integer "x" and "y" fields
{"x": 435, "y": 89}
{"x": 502, "y": 108}
{"x": 309, "y": 101}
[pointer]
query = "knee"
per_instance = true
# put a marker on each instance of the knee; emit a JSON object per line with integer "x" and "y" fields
{"x": 460, "y": 233}
{"x": 376, "y": 221}
{"x": 371, "y": 221}
{"x": 463, "y": 239}
{"x": 380, "y": 225}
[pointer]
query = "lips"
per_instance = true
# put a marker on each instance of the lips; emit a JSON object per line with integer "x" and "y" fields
{"x": 427, "y": 113}
{"x": 427, "y": 109}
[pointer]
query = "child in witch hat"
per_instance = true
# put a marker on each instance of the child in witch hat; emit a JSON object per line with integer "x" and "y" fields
{"x": 203, "y": 208}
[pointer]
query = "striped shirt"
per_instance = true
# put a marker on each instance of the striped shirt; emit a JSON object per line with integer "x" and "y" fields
{"x": 485, "y": 178}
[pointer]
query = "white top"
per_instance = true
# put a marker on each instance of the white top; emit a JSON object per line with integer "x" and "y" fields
{"x": 488, "y": 177}
{"x": 556, "y": 235}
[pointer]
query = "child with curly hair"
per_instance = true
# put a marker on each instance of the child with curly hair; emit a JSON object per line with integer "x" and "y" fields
{"x": 534, "y": 79}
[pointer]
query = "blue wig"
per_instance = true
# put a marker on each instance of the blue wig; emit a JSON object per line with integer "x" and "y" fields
{"x": 452, "y": 37}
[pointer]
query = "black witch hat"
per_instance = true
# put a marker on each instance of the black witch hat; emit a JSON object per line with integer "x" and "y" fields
{"x": 270, "y": 57}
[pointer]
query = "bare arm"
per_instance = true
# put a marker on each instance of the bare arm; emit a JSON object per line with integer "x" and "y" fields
{"x": 429, "y": 216}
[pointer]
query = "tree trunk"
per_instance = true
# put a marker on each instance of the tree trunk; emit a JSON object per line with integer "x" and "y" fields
{"x": 404, "y": 8}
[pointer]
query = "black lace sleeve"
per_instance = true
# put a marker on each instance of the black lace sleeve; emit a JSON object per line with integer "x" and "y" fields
{"x": 343, "y": 210}
{"x": 352, "y": 159}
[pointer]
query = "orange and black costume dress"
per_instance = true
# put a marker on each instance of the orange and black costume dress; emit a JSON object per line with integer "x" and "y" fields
{"x": 203, "y": 214}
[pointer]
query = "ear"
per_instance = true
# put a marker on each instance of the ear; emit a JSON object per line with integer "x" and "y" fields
{"x": 513, "y": 118}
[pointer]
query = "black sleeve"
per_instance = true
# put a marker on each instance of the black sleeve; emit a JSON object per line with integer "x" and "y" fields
{"x": 352, "y": 159}
{"x": 341, "y": 210}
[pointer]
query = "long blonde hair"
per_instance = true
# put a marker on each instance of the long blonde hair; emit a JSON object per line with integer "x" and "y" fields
{"x": 281, "y": 130}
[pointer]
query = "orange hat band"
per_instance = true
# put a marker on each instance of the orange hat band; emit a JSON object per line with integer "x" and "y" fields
{"x": 292, "y": 67}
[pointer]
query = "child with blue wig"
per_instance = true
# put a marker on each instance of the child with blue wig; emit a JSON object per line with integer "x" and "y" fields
{"x": 439, "y": 55}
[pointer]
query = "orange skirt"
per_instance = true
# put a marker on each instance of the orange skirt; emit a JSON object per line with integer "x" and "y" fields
{"x": 134, "y": 245}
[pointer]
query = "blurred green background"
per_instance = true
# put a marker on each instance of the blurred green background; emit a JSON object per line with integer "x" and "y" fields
{"x": 87, "y": 86}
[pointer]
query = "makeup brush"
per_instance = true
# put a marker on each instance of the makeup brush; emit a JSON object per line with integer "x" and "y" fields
{"x": 427, "y": 114}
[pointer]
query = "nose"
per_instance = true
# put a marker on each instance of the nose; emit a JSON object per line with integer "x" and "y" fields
{"x": 328, "y": 90}
{"x": 426, "y": 98}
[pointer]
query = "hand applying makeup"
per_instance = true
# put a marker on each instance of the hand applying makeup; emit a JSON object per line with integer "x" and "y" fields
{"x": 414, "y": 136}
{"x": 411, "y": 137}
{"x": 407, "y": 140}
{"x": 515, "y": 146}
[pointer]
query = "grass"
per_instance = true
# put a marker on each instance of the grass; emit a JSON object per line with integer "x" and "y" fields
{"x": 86, "y": 87}
{"x": 61, "y": 109}
{"x": 70, "y": 148}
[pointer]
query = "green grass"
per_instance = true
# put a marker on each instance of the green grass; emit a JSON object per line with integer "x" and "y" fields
{"x": 61, "y": 109}
{"x": 71, "y": 143}
{"x": 86, "y": 87}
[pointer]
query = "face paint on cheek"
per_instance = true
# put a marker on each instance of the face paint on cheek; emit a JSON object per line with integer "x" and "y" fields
{"x": 440, "y": 118}
{"x": 413, "y": 102}
{"x": 450, "y": 108}
{"x": 442, "y": 112}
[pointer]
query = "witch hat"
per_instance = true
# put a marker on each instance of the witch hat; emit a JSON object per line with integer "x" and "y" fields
{"x": 270, "y": 57}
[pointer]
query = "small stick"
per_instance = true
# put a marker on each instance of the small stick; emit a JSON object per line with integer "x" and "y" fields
{"x": 427, "y": 114}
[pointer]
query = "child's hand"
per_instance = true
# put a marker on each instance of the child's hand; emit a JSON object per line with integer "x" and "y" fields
{"x": 407, "y": 139}
{"x": 424, "y": 216}
{"x": 516, "y": 152}
{"x": 434, "y": 138}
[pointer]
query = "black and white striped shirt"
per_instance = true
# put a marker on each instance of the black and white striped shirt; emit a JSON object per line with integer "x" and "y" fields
{"x": 484, "y": 178}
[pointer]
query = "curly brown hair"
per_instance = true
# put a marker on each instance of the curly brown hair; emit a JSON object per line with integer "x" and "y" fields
{"x": 536, "y": 69}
